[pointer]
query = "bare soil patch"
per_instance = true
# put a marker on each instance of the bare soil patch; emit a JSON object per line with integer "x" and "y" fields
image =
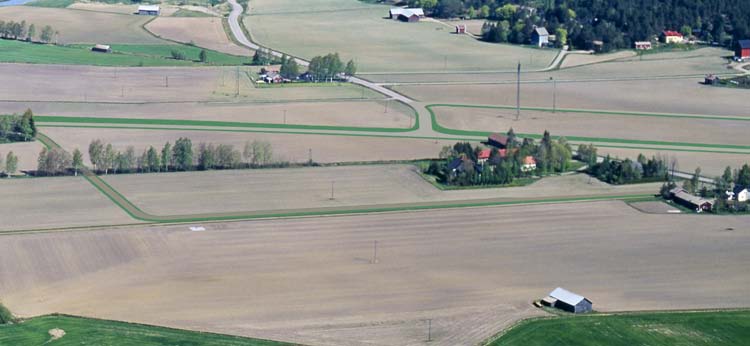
{"x": 655, "y": 207}
{"x": 303, "y": 188}
{"x": 472, "y": 271}
{"x": 572, "y": 60}
{"x": 55, "y": 203}
{"x": 207, "y": 32}
{"x": 76, "y": 26}
{"x": 27, "y": 153}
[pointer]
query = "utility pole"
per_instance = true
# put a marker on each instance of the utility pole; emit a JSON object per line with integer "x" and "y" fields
{"x": 285, "y": 117}
{"x": 166, "y": 81}
{"x": 332, "y": 198}
{"x": 122, "y": 92}
{"x": 554, "y": 94}
{"x": 375, "y": 253}
{"x": 237, "y": 92}
{"x": 445, "y": 64}
{"x": 429, "y": 330}
{"x": 386, "y": 105}
{"x": 518, "y": 91}
{"x": 309, "y": 157}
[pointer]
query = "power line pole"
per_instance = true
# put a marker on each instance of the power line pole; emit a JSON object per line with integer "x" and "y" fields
{"x": 386, "y": 105}
{"x": 518, "y": 91}
{"x": 285, "y": 117}
{"x": 375, "y": 253}
{"x": 554, "y": 94}
{"x": 332, "y": 198}
{"x": 429, "y": 330}
{"x": 166, "y": 81}
{"x": 237, "y": 92}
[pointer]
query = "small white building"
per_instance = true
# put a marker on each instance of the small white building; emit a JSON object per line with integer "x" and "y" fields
{"x": 149, "y": 10}
{"x": 738, "y": 193}
{"x": 529, "y": 164}
{"x": 540, "y": 37}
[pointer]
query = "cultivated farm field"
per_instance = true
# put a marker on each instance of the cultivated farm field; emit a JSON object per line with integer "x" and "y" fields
{"x": 207, "y": 32}
{"x": 310, "y": 188}
{"x": 21, "y": 82}
{"x": 360, "y": 113}
{"x": 245, "y": 277}
{"x": 359, "y": 31}
{"x": 42, "y": 203}
{"x": 76, "y": 26}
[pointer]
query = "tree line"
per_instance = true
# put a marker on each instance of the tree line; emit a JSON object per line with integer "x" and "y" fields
{"x": 12, "y": 30}
{"x": 617, "y": 23}
{"x": 460, "y": 166}
{"x": 14, "y": 128}
{"x": 330, "y": 67}
{"x": 626, "y": 171}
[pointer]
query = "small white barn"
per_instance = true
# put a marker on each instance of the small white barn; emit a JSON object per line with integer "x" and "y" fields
{"x": 149, "y": 10}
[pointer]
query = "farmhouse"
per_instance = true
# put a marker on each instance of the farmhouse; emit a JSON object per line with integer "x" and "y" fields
{"x": 461, "y": 29}
{"x": 670, "y": 36}
{"x": 679, "y": 195}
{"x": 529, "y": 164}
{"x": 738, "y": 193}
{"x": 406, "y": 14}
{"x": 498, "y": 140}
{"x": 643, "y": 45}
{"x": 149, "y": 10}
{"x": 743, "y": 49}
{"x": 101, "y": 48}
{"x": 568, "y": 301}
{"x": 540, "y": 37}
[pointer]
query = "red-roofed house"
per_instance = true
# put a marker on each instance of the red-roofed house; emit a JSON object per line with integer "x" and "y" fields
{"x": 672, "y": 37}
{"x": 529, "y": 164}
{"x": 498, "y": 140}
{"x": 483, "y": 156}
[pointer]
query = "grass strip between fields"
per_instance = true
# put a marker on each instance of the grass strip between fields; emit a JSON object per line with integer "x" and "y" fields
{"x": 92, "y": 331}
{"x": 440, "y": 129}
{"x": 669, "y": 328}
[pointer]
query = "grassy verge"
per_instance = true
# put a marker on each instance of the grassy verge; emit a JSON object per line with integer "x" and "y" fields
{"x": 51, "y": 3}
{"x": 188, "y": 13}
{"x": 715, "y": 328}
{"x": 122, "y": 55}
{"x": 87, "y": 331}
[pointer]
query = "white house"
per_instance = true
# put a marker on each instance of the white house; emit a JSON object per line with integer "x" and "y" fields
{"x": 738, "y": 193}
{"x": 529, "y": 164}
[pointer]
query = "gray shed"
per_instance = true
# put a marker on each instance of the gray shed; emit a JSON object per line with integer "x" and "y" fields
{"x": 571, "y": 302}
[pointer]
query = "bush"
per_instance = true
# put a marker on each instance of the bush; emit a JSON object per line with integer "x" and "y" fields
{"x": 5, "y": 315}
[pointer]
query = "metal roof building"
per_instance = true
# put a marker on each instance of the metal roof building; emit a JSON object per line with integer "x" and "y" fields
{"x": 569, "y": 301}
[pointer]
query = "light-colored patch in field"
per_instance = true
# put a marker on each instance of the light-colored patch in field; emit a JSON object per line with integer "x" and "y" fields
{"x": 684, "y": 130}
{"x": 207, "y": 32}
{"x": 310, "y": 280}
{"x": 303, "y": 188}
{"x": 344, "y": 113}
{"x": 360, "y": 31}
{"x": 78, "y": 26}
{"x": 27, "y": 153}
{"x": 711, "y": 164}
{"x": 294, "y": 148}
{"x": 572, "y": 60}
{"x": 655, "y": 207}
{"x": 55, "y": 203}
{"x": 20, "y": 82}
{"x": 686, "y": 96}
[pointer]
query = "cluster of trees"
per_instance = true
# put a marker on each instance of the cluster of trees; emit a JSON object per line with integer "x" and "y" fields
{"x": 289, "y": 67}
{"x": 264, "y": 57}
{"x": 617, "y": 23}
{"x": 20, "y": 31}
{"x": 10, "y": 165}
{"x": 551, "y": 156}
{"x": 180, "y": 55}
{"x": 14, "y": 128}
{"x": 628, "y": 171}
{"x": 180, "y": 156}
{"x": 330, "y": 67}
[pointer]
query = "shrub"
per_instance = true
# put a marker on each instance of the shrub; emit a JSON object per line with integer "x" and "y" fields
{"x": 5, "y": 315}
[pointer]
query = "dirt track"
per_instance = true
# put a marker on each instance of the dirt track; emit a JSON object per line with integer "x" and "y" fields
{"x": 473, "y": 271}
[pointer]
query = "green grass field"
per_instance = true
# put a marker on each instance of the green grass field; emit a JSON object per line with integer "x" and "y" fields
{"x": 358, "y": 31}
{"x": 123, "y": 55}
{"x": 714, "y": 328}
{"x": 51, "y": 3}
{"x": 188, "y": 13}
{"x": 84, "y": 331}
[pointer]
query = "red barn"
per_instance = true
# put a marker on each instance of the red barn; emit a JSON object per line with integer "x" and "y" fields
{"x": 743, "y": 49}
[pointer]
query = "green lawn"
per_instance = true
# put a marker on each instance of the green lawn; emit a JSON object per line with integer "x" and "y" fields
{"x": 712, "y": 328}
{"x": 188, "y": 13}
{"x": 51, "y": 3}
{"x": 123, "y": 55}
{"x": 85, "y": 331}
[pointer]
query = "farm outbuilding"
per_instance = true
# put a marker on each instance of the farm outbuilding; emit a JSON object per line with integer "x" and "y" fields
{"x": 643, "y": 45}
{"x": 498, "y": 140}
{"x": 540, "y": 37}
{"x": 699, "y": 204}
{"x": 461, "y": 29}
{"x": 670, "y": 36}
{"x": 101, "y": 48}
{"x": 569, "y": 301}
{"x": 406, "y": 14}
{"x": 743, "y": 49}
{"x": 149, "y": 10}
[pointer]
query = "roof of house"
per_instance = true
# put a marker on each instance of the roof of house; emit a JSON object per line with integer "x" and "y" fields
{"x": 455, "y": 163}
{"x": 738, "y": 188}
{"x": 407, "y": 11}
{"x": 566, "y": 296}
{"x": 484, "y": 154}
{"x": 681, "y": 194}
{"x": 638, "y": 43}
{"x": 498, "y": 137}
{"x": 148, "y": 8}
{"x": 744, "y": 44}
{"x": 102, "y": 46}
{"x": 541, "y": 31}
{"x": 672, "y": 33}
{"x": 529, "y": 160}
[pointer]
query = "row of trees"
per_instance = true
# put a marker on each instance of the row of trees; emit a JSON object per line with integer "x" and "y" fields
{"x": 617, "y": 23}
{"x": 10, "y": 165}
{"x": 330, "y": 67}
{"x": 14, "y": 128}
{"x": 551, "y": 156}
{"x": 180, "y": 156}
{"x": 628, "y": 171}
{"x": 20, "y": 31}
{"x": 180, "y": 55}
